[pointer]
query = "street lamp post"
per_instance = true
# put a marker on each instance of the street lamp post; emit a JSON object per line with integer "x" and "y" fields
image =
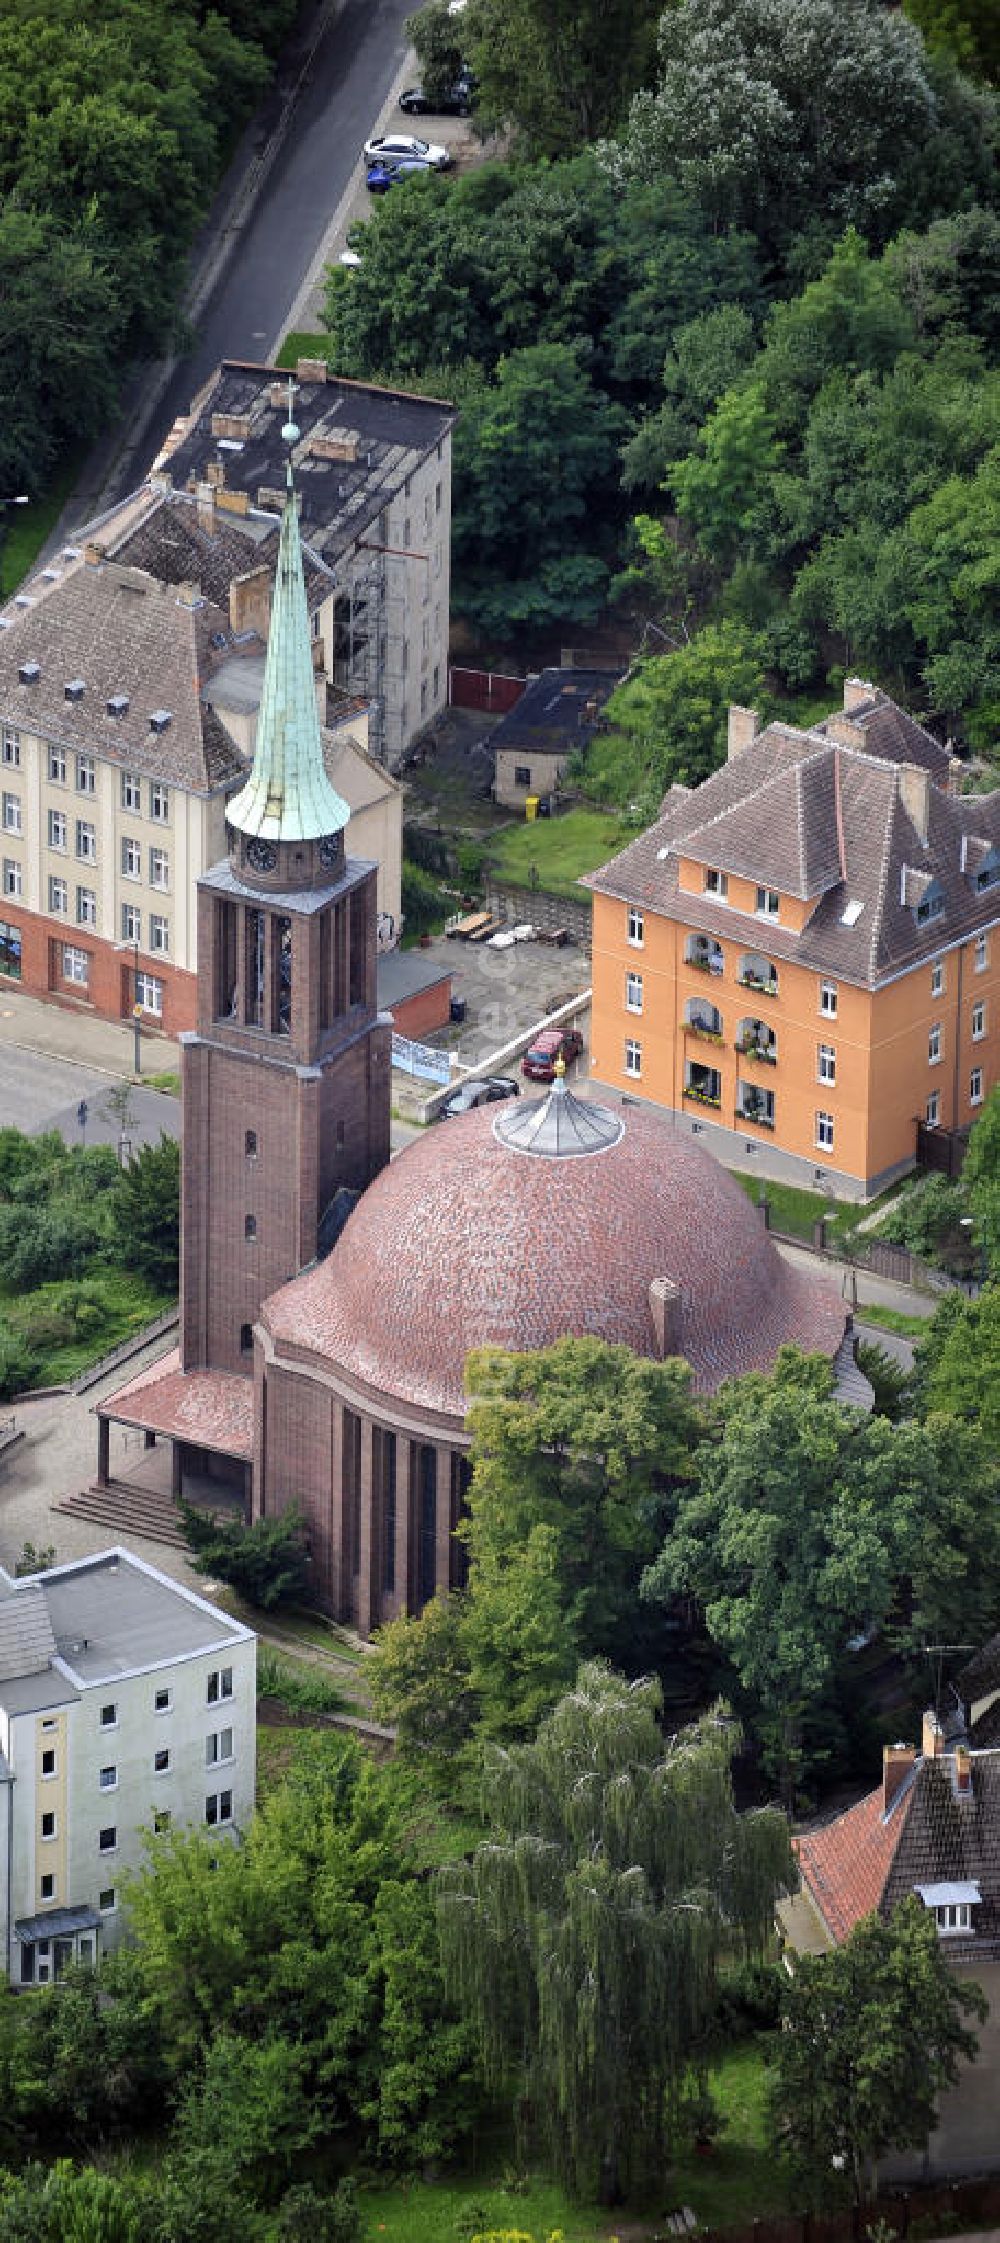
{"x": 133, "y": 946}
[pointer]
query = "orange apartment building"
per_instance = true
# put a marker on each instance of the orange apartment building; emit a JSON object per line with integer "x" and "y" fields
{"x": 801, "y": 958}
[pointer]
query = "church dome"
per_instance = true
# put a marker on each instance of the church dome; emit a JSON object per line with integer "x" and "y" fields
{"x": 511, "y": 1228}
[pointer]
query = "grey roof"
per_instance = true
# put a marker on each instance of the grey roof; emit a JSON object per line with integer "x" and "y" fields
{"x": 831, "y": 825}
{"x": 555, "y": 712}
{"x": 946, "y": 1837}
{"x": 37, "y": 1693}
{"x": 403, "y": 973}
{"x": 559, "y": 1126}
{"x": 111, "y": 1614}
{"x": 226, "y": 882}
{"x": 123, "y": 634}
{"x": 358, "y": 445}
{"x": 55, "y": 1923}
{"x": 27, "y": 1644}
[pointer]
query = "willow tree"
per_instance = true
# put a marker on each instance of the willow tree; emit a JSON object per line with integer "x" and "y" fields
{"x": 583, "y": 1939}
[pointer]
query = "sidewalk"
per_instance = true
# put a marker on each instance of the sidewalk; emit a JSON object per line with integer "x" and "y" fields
{"x": 103, "y": 1047}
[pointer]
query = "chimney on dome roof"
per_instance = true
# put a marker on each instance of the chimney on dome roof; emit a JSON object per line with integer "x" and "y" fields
{"x": 931, "y": 1736}
{"x": 897, "y": 1764}
{"x": 744, "y": 725}
{"x": 665, "y": 1309}
{"x": 915, "y": 796}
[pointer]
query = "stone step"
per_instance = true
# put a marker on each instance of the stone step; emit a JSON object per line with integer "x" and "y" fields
{"x": 126, "y": 1511}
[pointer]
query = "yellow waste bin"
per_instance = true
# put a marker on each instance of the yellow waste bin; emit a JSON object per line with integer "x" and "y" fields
{"x": 531, "y": 806}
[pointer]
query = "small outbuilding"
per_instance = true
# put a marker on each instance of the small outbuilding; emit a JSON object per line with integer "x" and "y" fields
{"x": 533, "y": 743}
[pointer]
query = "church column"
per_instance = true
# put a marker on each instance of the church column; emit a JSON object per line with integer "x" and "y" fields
{"x": 339, "y": 1588}
{"x": 442, "y": 1521}
{"x": 103, "y": 1451}
{"x": 404, "y": 1512}
{"x": 367, "y": 1538}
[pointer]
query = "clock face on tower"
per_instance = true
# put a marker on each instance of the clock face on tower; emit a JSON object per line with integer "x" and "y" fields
{"x": 262, "y": 855}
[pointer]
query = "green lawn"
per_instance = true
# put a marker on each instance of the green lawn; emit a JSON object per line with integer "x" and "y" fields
{"x": 896, "y": 1319}
{"x": 297, "y": 345}
{"x": 24, "y": 529}
{"x": 551, "y": 853}
{"x": 736, "y": 2181}
{"x": 794, "y": 1210}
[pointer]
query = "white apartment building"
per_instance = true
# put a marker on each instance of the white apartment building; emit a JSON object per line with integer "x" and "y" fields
{"x": 127, "y": 1706}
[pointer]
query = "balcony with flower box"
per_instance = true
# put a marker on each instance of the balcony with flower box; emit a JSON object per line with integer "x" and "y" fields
{"x": 702, "y": 1084}
{"x": 759, "y": 975}
{"x": 753, "y": 1106}
{"x": 703, "y": 1020}
{"x": 756, "y": 1041}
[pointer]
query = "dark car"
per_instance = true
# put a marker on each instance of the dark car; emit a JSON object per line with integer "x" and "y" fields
{"x": 457, "y": 102}
{"x": 482, "y": 1093}
{"x": 539, "y": 1063}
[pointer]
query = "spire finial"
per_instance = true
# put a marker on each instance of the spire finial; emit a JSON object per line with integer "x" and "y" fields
{"x": 559, "y": 1070}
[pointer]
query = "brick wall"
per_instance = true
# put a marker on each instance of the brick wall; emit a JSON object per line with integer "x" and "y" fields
{"x": 425, "y": 1011}
{"x": 109, "y": 988}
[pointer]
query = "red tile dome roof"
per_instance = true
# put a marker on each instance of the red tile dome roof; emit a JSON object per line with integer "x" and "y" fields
{"x": 466, "y": 1241}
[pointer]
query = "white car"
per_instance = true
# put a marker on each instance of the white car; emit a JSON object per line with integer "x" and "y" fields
{"x": 388, "y": 148}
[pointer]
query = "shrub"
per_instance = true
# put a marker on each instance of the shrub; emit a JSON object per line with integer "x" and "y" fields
{"x": 268, "y": 1562}
{"x": 304, "y": 2216}
{"x": 423, "y": 902}
{"x": 18, "y": 1364}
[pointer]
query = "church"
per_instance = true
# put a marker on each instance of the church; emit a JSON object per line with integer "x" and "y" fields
{"x": 329, "y": 1298}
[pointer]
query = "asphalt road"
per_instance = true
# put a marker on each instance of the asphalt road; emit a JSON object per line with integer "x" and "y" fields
{"x": 357, "y": 56}
{"x": 39, "y": 1091}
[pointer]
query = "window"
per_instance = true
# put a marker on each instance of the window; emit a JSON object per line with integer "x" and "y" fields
{"x": 716, "y": 883}
{"x": 11, "y": 877}
{"x": 826, "y": 1064}
{"x": 934, "y": 1045}
{"x": 11, "y": 747}
{"x": 824, "y": 1132}
{"x": 161, "y": 1761}
{"x": 633, "y": 992}
{"x": 86, "y": 907}
{"x": 220, "y": 1685}
{"x": 159, "y": 934}
{"x": 108, "y": 1778}
{"x": 828, "y": 999}
{"x": 10, "y": 950}
{"x": 218, "y": 1746}
{"x": 932, "y": 1110}
{"x": 937, "y": 978}
{"x": 107, "y": 1900}
{"x": 108, "y": 1838}
{"x": 86, "y": 774}
{"x": 149, "y": 994}
{"x": 633, "y": 1057}
{"x": 978, "y": 1023}
{"x": 131, "y": 858}
{"x": 635, "y": 927}
{"x": 162, "y": 1701}
{"x": 956, "y": 1915}
{"x": 47, "y": 1885}
{"x": 249, "y": 1226}
{"x": 982, "y": 954}
{"x": 522, "y": 774}
{"x": 12, "y": 813}
{"x": 219, "y": 1807}
{"x": 159, "y": 802}
{"x": 246, "y": 1339}
{"x": 109, "y": 1714}
{"x": 57, "y": 766}
{"x": 250, "y": 1144}
{"x": 75, "y": 965}
{"x": 48, "y": 1826}
{"x": 436, "y": 682}
{"x": 86, "y": 841}
{"x": 131, "y": 923}
{"x": 49, "y": 1761}
{"x": 437, "y": 498}
{"x": 58, "y": 829}
{"x": 768, "y": 903}
{"x": 976, "y": 1087}
{"x": 159, "y": 869}
{"x": 58, "y": 895}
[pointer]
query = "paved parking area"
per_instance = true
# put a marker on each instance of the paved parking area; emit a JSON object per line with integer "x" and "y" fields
{"x": 505, "y": 993}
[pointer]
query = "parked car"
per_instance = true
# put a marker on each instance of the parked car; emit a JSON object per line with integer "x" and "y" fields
{"x": 380, "y": 177}
{"x": 406, "y": 148}
{"x": 539, "y": 1062}
{"x": 482, "y": 1093}
{"x": 457, "y": 102}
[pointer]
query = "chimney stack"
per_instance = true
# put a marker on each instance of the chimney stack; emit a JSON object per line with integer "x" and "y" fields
{"x": 856, "y": 691}
{"x": 250, "y": 602}
{"x": 932, "y": 1736}
{"x": 846, "y": 733}
{"x": 665, "y": 1310}
{"x": 206, "y": 508}
{"x": 915, "y": 796}
{"x": 897, "y": 1764}
{"x": 744, "y": 725}
{"x": 963, "y": 1771}
{"x": 956, "y": 775}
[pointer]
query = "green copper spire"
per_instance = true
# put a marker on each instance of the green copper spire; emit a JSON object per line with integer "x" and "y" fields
{"x": 288, "y": 796}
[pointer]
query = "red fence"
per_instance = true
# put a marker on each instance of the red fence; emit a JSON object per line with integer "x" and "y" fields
{"x": 493, "y": 691}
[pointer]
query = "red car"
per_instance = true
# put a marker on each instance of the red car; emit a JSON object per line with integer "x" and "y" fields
{"x": 539, "y": 1062}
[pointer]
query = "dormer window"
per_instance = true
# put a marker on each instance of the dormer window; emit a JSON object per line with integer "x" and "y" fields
{"x": 74, "y": 689}
{"x": 931, "y": 905}
{"x": 768, "y": 903}
{"x": 29, "y": 673}
{"x": 160, "y": 720}
{"x": 951, "y": 1905}
{"x": 117, "y": 705}
{"x": 988, "y": 872}
{"x": 716, "y": 883}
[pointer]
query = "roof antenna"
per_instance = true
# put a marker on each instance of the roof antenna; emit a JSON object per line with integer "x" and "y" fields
{"x": 937, "y": 1652}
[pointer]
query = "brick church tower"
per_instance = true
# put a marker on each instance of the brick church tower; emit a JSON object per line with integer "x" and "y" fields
{"x": 286, "y": 1081}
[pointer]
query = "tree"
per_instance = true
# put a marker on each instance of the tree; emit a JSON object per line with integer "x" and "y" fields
{"x": 418, "y": 1676}
{"x": 583, "y": 1939}
{"x": 266, "y": 1562}
{"x": 981, "y": 1177}
{"x": 795, "y": 115}
{"x": 958, "y": 1363}
{"x": 437, "y": 42}
{"x": 559, "y": 71}
{"x": 147, "y": 1212}
{"x": 872, "y": 2033}
{"x": 667, "y": 720}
